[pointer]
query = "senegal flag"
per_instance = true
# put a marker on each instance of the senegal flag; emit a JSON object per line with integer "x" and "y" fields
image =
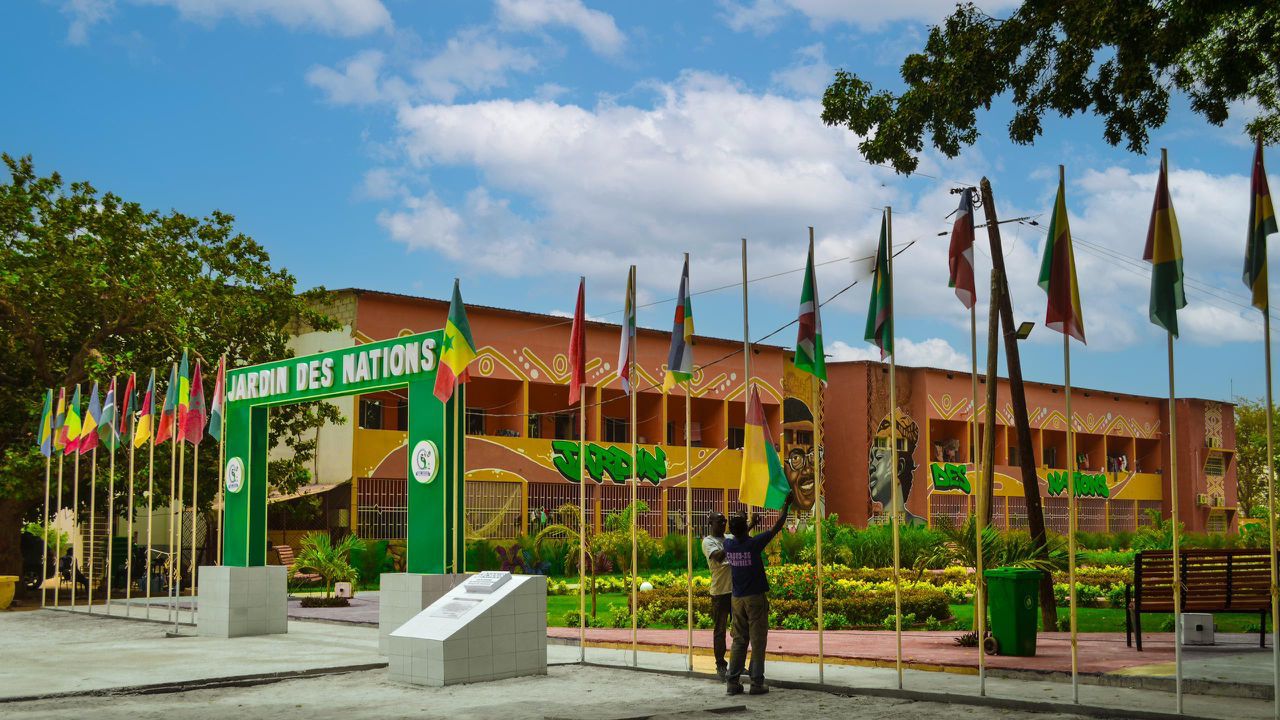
{"x": 71, "y": 426}
{"x": 457, "y": 350}
{"x": 763, "y": 483}
{"x": 1164, "y": 252}
{"x": 1058, "y": 274}
{"x": 1262, "y": 222}
{"x": 45, "y": 432}
{"x": 880, "y": 311}
{"x": 810, "y": 356}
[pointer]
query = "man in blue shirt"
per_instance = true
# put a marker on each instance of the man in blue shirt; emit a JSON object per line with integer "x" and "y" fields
{"x": 743, "y": 552}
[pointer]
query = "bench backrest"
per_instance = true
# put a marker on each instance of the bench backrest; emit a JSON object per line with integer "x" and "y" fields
{"x": 286, "y": 555}
{"x": 1212, "y": 580}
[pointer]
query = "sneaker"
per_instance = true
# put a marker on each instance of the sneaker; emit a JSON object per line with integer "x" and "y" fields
{"x": 733, "y": 688}
{"x": 761, "y": 689}
{"x": 722, "y": 673}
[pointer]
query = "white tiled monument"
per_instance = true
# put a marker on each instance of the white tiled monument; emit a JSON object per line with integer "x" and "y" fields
{"x": 403, "y": 595}
{"x": 239, "y": 601}
{"x": 492, "y": 626}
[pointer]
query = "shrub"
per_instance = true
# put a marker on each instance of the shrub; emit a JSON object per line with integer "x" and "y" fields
{"x": 1115, "y": 596}
{"x": 797, "y": 622}
{"x": 834, "y": 621}
{"x": 969, "y": 639}
{"x": 571, "y": 620}
{"x": 675, "y": 617}
{"x": 932, "y": 623}
{"x": 702, "y": 621}
{"x": 891, "y": 621}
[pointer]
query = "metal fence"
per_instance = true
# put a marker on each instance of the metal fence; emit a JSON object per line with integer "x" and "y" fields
{"x": 493, "y": 509}
{"x": 383, "y": 509}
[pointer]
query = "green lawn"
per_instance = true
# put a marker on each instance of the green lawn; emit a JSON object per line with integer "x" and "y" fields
{"x": 558, "y": 605}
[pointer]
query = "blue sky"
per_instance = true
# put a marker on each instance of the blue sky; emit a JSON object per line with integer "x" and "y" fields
{"x": 392, "y": 145}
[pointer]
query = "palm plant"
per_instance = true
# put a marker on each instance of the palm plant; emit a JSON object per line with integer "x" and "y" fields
{"x": 568, "y": 530}
{"x": 330, "y": 560}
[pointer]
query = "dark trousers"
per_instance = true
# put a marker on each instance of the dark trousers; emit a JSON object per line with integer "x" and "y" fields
{"x": 721, "y": 610}
{"x": 750, "y": 625}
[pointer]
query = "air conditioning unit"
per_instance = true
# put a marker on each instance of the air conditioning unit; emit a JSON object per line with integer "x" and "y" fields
{"x": 1219, "y": 501}
{"x": 1202, "y": 499}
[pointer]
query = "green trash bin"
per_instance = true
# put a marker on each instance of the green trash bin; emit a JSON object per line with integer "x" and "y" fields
{"x": 1013, "y": 597}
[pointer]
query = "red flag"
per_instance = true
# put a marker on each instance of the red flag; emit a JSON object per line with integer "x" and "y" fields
{"x": 578, "y": 347}
{"x": 960, "y": 256}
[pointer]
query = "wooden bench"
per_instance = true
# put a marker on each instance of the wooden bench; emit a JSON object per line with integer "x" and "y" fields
{"x": 287, "y": 559}
{"x": 1213, "y": 581}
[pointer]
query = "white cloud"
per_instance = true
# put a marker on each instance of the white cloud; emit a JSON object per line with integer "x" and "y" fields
{"x": 809, "y": 75}
{"x": 483, "y": 232}
{"x": 336, "y": 17}
{"x": 597, "y": 28}
{"x": 763, "y": 16}
{"x": 357, "y": 82}
{"x": 933, "y": 352}
{"x": 84, "y": 14}
{"x": 471, "y": 61}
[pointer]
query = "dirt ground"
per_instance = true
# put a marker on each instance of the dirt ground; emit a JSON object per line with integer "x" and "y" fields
{"x": 570, "y": 693}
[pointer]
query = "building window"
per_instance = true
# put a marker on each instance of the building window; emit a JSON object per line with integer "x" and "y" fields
{"x": 402, "y": 415}
{"x": 671, "y": 433}
{"x": 737, "y": 438}
{"x": 370, "y": 414}
{"x": 566, "y": 426}
{"x": 615, "y": 430}
{"x": 475, "y": 421}
{"x": 535, "y": 426}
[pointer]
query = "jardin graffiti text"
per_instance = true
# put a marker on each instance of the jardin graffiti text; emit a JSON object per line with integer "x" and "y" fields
{"x": 612, "y": 461}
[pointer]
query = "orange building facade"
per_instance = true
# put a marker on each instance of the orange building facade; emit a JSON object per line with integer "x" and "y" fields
{"x": 522, "y": 436}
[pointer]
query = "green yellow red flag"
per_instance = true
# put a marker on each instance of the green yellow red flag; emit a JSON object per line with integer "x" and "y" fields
{"x": 71, "y": 426}
{"x": 89, "y": 428}
{"x": 680, "y": 356}
{"x": 145, "y": 424}
{"x": 457, "y": 348}
{"x": 1058, "y": 273}
{"x": 763, "y": 481}
{"x": 1164, "y": 252}
{"x": 879, "y": 328}
{"x": 1262, "y": 222}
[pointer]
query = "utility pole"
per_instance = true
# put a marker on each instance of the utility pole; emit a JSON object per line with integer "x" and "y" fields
{"x": 1026, "y": 454}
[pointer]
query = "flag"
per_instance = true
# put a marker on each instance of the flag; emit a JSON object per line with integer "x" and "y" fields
{"x": 880, "y": 311}
{"x": 960, "y": 256}
{"x": 809, "y": 354}
{"x": 219, "y": 400}
{"x": 1262, "y": 222}
{"x": 60, "y": 421}
{"x": 88, "y": 430}
{"x": 71, "y": 426}
{"x": 578, "y": 346}
{"x": 193, "y": 422}
{"x": 184, "y": 395}
{"x": 45, "y": 432}
{"x": 763, "y": 482}
{"x": 680, "y": 358}
{"x": 626, "y": 347}
{"x": 1058, "y": 274}
{"x": 107, "y": 421}
{"x": 169, "y": 412}
{"x": 1164, "y": 252}
{"x": 146, "y": 417}
{"x": 458, "y": 349}
{"x": 128, "y": 409}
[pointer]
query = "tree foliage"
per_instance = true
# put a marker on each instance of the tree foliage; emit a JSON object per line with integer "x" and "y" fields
{"x": 1122, "y": 60}
{"x": 93, "y": 286}
{"x": 1251, "y": 454}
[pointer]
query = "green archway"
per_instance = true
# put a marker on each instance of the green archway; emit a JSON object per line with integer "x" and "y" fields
{"x": 434, "y": 541}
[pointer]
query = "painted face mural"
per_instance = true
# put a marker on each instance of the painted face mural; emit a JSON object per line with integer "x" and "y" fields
{"x": 880, "y": 472}
{"x": 799, "y": 470}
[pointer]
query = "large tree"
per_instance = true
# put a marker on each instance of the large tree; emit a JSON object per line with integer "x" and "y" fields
{"x": 92, "y": 287}
{"x": 1251, "y": 454}
{"x": 1122, "y": 60}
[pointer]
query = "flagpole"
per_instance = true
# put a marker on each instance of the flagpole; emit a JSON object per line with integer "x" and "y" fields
{"x": 111, "y": 495}
{"x": 1271, "y": 508}
{"x": 151, "y": 477}
{"x": 93, "y": 519}
{"x": 746, "y": 361}
{"x": 688, "y": 511}
{"x": 182, "y": 509}
{"x": 57, "y": 587}
{"x": 817, "y": 512}
{"x": 75, "y": 503}
{"x": 222, "y": 447}
{"x": 48, "y": 471}
{"x": 1072, "y": 517}
{"x": 582, "y": 509}
{"x": 195, "y": 520}
{"x": 458, "y": 439}
{"x": 979, "y": 515}
{"x": 629, "y": 329}
{"x": 1177, "y": 535}
{"x": 893, "y": 455}
{"x": 173, "y": 465}
{"x": 128, "y": 583}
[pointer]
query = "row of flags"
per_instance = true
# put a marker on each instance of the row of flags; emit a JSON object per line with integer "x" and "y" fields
{"x": 130, "y": 417}
{"x": 1058, "y": 278}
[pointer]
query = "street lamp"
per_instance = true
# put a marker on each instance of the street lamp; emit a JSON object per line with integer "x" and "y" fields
{"x": 1024, "y": 329}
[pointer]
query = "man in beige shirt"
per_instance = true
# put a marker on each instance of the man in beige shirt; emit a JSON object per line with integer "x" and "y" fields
{"x": 721, "y": 587}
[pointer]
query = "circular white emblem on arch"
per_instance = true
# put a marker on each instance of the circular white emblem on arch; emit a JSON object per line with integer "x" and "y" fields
{"x": 425, "y": 461}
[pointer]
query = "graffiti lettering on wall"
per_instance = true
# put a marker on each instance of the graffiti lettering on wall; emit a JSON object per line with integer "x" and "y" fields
{"x": 612, "y": 461}
{"x": 1087, "y": 484}
{"x": 949, "y": 476}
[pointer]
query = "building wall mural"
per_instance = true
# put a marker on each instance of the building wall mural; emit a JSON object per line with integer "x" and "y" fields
{"x": 880, "y": 470}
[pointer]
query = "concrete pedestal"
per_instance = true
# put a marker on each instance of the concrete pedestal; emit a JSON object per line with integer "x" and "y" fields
{"x": 475, "y": 634}
{"x": 403, "y": 595}
{"x": 239, "y": 601}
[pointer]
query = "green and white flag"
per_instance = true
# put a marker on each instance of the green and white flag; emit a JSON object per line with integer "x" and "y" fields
{"x": 809, "y": 355}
